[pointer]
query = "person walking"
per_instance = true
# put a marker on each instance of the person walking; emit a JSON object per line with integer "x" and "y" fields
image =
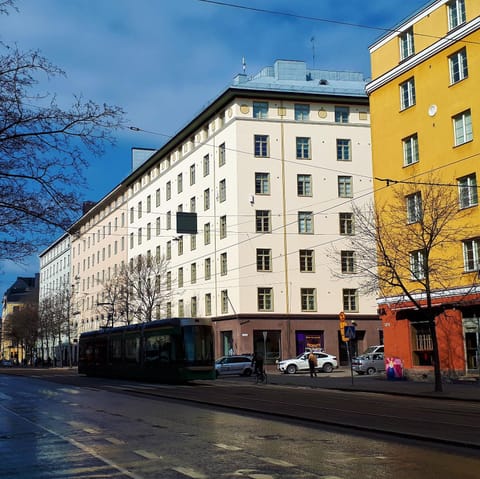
{"x": 312, "y": 364}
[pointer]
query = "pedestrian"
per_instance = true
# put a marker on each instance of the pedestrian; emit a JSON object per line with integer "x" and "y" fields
{"x": 312, "y": 364}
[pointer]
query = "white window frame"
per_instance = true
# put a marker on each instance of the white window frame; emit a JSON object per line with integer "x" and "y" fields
{"x": 414, "y": 207}
{"x": 410, "y": 150}
{"x": 265, "y": 299}
{"x": 260, "y": 109}
{"x": 350, "y": 300}
{"x": 261, "y": 146}
{"x": 345, "y": 187}
{"x": 302, "y": 148}
{"x": 458, "y": 66}
{"x": 344, "y": 149}
{"x": 308, "y": 299}
{"x": 417, "y": 264}
{"x": 456, "y": 13}
{"x": 471, "y": 255}
{"x": 407, "y": 44}
{"x": 262, "y": 183}
{"x": 346, "y": 223}
{"x": 407, "y": 94}
{"x": 305, "y": 222}
{"x": 347, "y": 261}
{"x": 467, "y": 191}
{"x": 304, "y": 185}
{"x": 462, "y": 128}
{"x": 302, "y": 112}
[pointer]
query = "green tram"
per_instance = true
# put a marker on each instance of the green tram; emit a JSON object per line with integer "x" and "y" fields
{"x": 172, "y": 350}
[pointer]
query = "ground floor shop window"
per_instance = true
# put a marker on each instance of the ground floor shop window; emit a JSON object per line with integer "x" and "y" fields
{"x": 422, "y": 345}
{"x": 268, "y": 344}
{"x": 308, "y": 340}
{"x": 227, "y": 348}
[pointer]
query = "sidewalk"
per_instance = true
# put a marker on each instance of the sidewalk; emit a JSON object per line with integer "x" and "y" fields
{"x": 341, "y": 379}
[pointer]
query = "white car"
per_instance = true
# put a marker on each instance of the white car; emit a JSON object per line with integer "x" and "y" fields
{"x": 325, "y": 362}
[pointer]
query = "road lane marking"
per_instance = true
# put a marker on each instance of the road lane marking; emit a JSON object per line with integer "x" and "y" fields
{"x": 91, "y": 430}
{"x": 146, "y": 454}
{"x": 277, "y": 462}
{"x": 5, "y": 396}
{"x": 228, "y": 448}
{"x": 186, "y": 471}
{"x": 114, "y": 440}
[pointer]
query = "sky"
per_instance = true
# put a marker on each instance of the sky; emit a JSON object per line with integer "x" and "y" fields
{"x": 162, "y": 61}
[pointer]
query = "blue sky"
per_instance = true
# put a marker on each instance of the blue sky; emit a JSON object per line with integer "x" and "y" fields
{"x": 163, "y": 60}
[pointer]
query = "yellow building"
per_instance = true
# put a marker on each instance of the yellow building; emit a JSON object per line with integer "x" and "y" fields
{"x": 425, "y": 121}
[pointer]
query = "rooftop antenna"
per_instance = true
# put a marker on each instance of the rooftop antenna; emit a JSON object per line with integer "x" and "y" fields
{"x": 244, "y": 64}
{"x": 313, "y": 51}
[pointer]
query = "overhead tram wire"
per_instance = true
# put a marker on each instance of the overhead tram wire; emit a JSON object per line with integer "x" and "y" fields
{"x": 322, "y": 20}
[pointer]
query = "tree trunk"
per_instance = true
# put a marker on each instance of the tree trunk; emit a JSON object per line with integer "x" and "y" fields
{"x": 436, "y": 354}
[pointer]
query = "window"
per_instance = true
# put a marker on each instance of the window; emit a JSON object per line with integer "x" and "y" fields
{"x": 304, "y": 185}
{"x": 149, "y": 204}
{"x": 139, "y": 213}
{"x": 206, "y": 233}
{"x": 224, "y": 301}
{"x": 157, "y": 197}
{"x": 260, "y": 109}
{"x": 193, "y": 273}
{"x": 208, "y": 268}
{"x": 462, "y": 127}
{"x": 345, "y": 187}
{"x": 206, "y": 199}
{"x": 169, "y": 280}
{"x": 306, "y": 260}
{"x": 132, "y": 241}
{"x": 305, "y": 222}
{"x": 208, "y": 304}
{"x": 193, "y": 242}
{"x": 406, "y": 44}
{"x": 149, "y": 231}
{"x": 180, "y": 245}
{"x": 206, "y": 165}
{"x": 264, "y": 259}
{"x": 343, "y": 150}
{"x": 221, "y": 155}
{"x": 222, "y": 190}
{"x": 350, "y": 300}
{"x": 261, "y": 146}
{"x": 193, "y": 204}
{"x": 179, "y": 183}
{"x": 308, "y": 299}
{"x": 262, "y": 221}
{"x": 181, "y": 309}
{"x": 410, "y": 150}
{"x": 265, "y": 299}
{"x": 407, "y": 94}
{"x": 169, "y": 220}
{"x": 223, "y": 264}
{"x": 180, "y": 277}
{"x": 262, "y": 183}
{"x": 302, "y": 112}
{"x": 471, "y": 254}
{"x": 456, "y": 13}
{"x": 193, "y": 306}
{"x": 341, "y": 114}
{"x": 157, "y": 226}
{"x": 347, "y": 261}
{"x": 169, "y": 250}
{"x": 192, "y": 174}
{"x": 467, "y": 191}
{"x": 132, "y": 217}
{"x": 414, "y": 207}
{"x": 417, "y": 264}
{"x": 458, "y": 66}
{"x": 346, "y": 223}
{"x": 303, "y": 148}
{"x": 168, "y": 190}
{"x": 223, "y": 227}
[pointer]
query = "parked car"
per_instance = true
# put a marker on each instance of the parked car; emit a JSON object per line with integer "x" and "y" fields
{"x": 378, "y": 348}
{"x": 325, "y": 362}
{"x": 231, "y": 365}
{"x": 368, "y": 363}
{"x": 6, "y": 363}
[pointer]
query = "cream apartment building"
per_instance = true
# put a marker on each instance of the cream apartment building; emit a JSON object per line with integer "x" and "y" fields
{"x": 271, "y": 168}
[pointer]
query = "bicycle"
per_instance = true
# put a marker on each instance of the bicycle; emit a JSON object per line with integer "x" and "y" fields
{"x": 261, "y": 377}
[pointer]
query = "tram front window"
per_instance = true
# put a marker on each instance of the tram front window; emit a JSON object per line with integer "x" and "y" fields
{"x": 198, "y": 344}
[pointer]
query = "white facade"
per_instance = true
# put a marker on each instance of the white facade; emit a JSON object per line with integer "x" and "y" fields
{"x": 269, "y": 167}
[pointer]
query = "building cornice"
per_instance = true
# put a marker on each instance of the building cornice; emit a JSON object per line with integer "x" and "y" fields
{"x": 411, "y": 62}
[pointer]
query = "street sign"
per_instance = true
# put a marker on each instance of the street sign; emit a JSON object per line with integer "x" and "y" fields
{"x": 350, "y": 332}
{"x": 343, "y": 324}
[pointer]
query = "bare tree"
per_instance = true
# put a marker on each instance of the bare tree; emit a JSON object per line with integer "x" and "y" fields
{"x": 43, "y": 150}
{"x": 406, "y": 249}
{"x": 139, "y": 291}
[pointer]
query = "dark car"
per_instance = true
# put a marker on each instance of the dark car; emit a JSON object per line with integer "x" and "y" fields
{"x": 234, "y": 365}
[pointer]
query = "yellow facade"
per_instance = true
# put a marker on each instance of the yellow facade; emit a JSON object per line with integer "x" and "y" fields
{"x": 445, "y": 96}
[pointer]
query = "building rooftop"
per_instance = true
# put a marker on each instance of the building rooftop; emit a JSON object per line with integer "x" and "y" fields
{"x": 294, "y": 76}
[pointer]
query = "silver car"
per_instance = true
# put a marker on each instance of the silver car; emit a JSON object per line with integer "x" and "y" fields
{"x": 232, "y": 365}
{"x": 368, "y": 363}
